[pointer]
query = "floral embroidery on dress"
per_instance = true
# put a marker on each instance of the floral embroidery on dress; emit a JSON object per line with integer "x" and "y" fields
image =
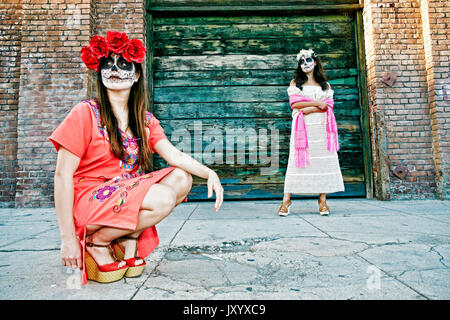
{"x": 131, "y": 161}
{"x": 104, "y": 193}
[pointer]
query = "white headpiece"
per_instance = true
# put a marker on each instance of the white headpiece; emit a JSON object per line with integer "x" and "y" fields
{"x": 305, "y": 53}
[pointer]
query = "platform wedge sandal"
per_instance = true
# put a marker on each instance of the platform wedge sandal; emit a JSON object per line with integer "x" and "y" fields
{"x": 285, "y": 208}
{"x": 105, "y": 273}
{"x": 136, "y": 265}
{"x": 324, "y": 210}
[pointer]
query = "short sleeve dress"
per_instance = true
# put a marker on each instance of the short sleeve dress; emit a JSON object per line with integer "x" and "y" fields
{"x": 107, "y": 191}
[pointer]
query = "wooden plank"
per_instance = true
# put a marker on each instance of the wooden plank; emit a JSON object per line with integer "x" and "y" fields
{"x": 251, "y": 19}
{"x": 349, "y": 161}
{"x": 252, "y": 31}
{"x": 149, "y": 61}
{"x": 269, "y": 191}
{"x": 365, "y": 114}
{"x": 236, "y": 94}
{"x": 238, "y": 8}
{"x": 244, "y": 77}
{"x": 199, "y": 3}
{"x": 182, "y": 47}
{"x": 233, "y": 134}
{"x": 342, "y": 109}
{"x": 253, "y": 175}
{"x": 246, "y": 62}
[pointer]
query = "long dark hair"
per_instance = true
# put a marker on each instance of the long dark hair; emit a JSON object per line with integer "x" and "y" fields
{"x": 300, "y": 77}
{"x": 137, "y": 106}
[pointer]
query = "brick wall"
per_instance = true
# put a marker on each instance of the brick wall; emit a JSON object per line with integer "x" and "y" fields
{"x": 43, "y": 77}
{"x": 402, "y": 131}
{"x": 126, "y": 16}
{"x": 436, "y": 19}
{"x": 11, "y": 14}
{"x": 52, "y": 80}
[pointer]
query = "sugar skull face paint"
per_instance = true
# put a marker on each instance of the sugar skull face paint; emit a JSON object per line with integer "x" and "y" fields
{"x": 307, "y": 64}
{"x": 117, "y": 73}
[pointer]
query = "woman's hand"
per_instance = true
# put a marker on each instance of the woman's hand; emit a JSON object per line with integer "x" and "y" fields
{"x": 322, "y": 105}
{"x": 71, "y": 253}
{"x": 214, "y": 184}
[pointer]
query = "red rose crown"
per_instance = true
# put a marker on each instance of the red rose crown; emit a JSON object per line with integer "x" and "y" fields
{"x": 115, "y": 42}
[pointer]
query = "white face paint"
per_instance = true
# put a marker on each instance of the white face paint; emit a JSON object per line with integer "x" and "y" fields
{"x": 117, "y": 73}
{"x": 307, "y": 63}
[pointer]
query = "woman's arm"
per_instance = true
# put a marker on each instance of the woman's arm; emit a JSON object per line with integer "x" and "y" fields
{"x": 176, "y": 158}
{"x": 309, "y": 110}
{"x": 67, "y": 163}
{"x": 304, "y": 104}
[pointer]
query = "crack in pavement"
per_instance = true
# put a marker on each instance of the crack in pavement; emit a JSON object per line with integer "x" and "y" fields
{"x": 394, "y": 277}
{"x": 164, "y": 256}
{"x": 441, "y": 259}
{"x": 413, "y": 214}
{"x": 29, "y": 250}
{"x": 27, "y": 238}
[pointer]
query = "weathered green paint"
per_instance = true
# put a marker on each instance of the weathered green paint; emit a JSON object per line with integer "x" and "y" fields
{"x": 366, "y": 145}
{"x": 237, "y": 6}
{"x": 251, "y": 31}
{"x": 237, "y": 20}
{"x": 244, "y": 77}
{"x": 345, "y": 110}
{"x": 232, "y": 72}
{"x": 199, "y": 3}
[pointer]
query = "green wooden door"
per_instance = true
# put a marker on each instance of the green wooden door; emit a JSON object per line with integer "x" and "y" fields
{"x": 219, "y": 89}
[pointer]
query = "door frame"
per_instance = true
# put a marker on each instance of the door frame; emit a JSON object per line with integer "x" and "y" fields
{"x": 348, "y": 9}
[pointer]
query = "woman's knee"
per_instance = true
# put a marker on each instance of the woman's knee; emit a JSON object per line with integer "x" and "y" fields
{"x": 160, "y": 199}
{"x": 183, "y": 179}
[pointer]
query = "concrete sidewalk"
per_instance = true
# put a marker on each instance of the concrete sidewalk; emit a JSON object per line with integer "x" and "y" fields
{"x": 366, "y": 249}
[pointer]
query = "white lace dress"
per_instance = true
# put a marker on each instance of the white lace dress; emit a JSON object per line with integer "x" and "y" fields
{"x": 323, "y": 174}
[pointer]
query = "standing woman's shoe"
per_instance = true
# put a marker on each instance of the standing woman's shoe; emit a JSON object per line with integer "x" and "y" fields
{"x": 323, "y": 208}
{"x": 136, "y": 265}
{"x": 105, "y": 273}
{"x": 285, "y": 208}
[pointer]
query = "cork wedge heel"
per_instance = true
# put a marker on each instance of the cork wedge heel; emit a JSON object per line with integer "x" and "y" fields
{"x": 104, "y": 273}
{"x": 136, "y": 265}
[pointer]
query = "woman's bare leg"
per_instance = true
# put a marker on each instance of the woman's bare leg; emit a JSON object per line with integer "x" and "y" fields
{"x": 286, "y": 197}
{"x": 180, "y": 182}
{"x": 158, "y": 203}
{"x": 323, "y": 197}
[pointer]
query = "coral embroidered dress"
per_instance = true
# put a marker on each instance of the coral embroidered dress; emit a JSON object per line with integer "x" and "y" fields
{"x": 107, "y": 190}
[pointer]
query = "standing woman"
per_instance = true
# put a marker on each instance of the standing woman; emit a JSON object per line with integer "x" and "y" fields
{"x": 313, "y": 165}
{"x": 108, "y": 199}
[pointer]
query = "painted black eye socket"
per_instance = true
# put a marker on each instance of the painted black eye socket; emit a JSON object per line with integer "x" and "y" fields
{"x": 108, "y": 63}
{"x": 124, "y": 64}
{"x": 308, "y": 60}
{"x": 121, "y": 63}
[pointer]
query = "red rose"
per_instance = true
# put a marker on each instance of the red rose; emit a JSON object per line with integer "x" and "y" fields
{"x": 89, "y": 58}
{"x": 99, "y": 47}
{"x": 135, "y": 51}
{"x": 117, "y": 41}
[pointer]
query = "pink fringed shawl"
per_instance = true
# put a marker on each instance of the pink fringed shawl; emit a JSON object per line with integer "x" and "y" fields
{"x": 300, "y": 136}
